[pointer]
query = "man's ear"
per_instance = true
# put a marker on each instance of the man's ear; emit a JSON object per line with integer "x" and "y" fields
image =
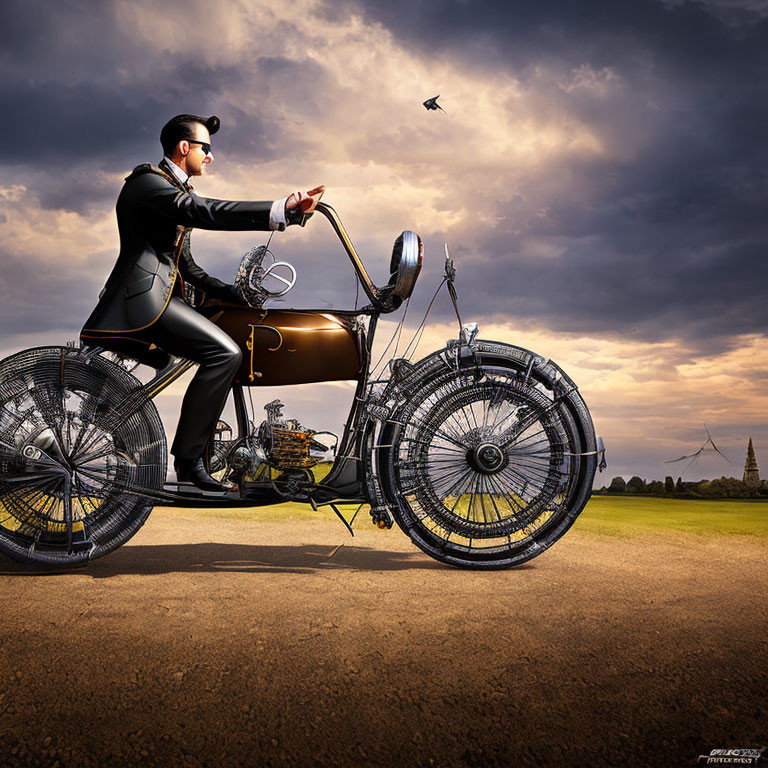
{"x": 183, "y": 147}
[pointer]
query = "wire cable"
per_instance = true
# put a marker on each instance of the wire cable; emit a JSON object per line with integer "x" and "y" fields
{"x": 386, "y": 349}
{"x": 420, "y": 330}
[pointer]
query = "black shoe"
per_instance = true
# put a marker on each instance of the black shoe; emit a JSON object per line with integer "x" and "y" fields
{"x": 193, "y": 471}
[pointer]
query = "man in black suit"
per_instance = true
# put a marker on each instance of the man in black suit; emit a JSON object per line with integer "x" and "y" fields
{"x": 146, "y": 307}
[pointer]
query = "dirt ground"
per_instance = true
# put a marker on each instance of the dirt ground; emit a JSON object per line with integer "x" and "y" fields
{"x": 226, "y": 642}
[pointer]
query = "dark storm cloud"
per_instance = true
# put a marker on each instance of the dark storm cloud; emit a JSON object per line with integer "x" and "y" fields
{"x": 37, "y": 35}
{"x": 688, "y": 36}
{"x": 59, "y": 124}
{"x": 47, "y": 297}
{"x": 80, "y": 189}
{"x": 670, "y": 242}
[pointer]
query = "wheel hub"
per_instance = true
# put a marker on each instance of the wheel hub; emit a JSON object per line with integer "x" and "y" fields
{"x": 487, "y": 458}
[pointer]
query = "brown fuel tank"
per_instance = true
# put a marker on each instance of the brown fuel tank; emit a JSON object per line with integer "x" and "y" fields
{"x": 291, "y": 346}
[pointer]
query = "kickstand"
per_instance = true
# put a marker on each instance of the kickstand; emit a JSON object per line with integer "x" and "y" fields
{"x": 343, "y": 519}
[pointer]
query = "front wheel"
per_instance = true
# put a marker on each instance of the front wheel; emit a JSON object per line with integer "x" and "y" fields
{"x": 489, "y": 466}
{"x": 69, "y": 458}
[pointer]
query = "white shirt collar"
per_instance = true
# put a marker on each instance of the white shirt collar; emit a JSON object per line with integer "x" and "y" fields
{"x": 177, "y": 172}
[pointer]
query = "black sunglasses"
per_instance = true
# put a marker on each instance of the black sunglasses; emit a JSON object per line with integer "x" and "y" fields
{"x": 204, "y": 145}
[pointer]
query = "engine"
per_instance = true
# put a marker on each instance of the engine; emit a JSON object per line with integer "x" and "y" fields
{"x": 278, "y": 444}
{"x": 287, "y": 443}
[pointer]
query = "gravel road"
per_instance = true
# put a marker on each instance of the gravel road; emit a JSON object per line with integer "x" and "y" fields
{"x": 211, "y": 641}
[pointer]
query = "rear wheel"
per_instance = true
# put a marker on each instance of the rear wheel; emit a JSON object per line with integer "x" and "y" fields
{"x": 488, "y": 467}
{"x": 69, "y": 458}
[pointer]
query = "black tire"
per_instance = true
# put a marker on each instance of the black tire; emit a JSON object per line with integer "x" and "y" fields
{"x": 489, "y": 464}
{"x": 70, "y": 453}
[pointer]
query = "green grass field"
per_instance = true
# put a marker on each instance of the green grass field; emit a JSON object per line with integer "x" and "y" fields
{"x": 604, "y": 515}
{"x": 643, "y": 515}
{"x": 288, "y": 511}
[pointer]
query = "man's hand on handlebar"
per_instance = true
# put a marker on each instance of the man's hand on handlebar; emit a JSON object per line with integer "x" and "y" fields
{"x": 299, "y": 205}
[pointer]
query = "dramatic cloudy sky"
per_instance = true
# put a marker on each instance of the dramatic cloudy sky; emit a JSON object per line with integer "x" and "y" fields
{"x": 600, "y": 175}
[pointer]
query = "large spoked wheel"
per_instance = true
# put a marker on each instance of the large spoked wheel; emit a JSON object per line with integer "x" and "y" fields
{"x": 488, "y": 467}
{"x": 70, "y": 455}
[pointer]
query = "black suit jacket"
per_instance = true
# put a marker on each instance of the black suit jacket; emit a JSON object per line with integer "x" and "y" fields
{"x": 155, "y": 216}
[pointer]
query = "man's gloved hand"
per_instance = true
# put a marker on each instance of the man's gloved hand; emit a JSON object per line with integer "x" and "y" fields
{"x": 299, "y": 206}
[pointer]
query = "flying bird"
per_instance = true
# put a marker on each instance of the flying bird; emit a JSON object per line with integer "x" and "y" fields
{"x": 432, "y": 103}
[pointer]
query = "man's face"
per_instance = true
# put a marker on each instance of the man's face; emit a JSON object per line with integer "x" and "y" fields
{"x": 197, "y": 158}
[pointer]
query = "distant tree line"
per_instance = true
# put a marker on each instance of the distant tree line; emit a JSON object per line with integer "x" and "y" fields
{"x": 723, "y": 488}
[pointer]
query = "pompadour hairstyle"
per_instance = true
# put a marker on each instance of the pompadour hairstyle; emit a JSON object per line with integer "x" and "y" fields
{"x": 180, "y": 127}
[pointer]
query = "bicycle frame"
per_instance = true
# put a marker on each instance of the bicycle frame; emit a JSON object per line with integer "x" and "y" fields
{"x": 345, "y": 481}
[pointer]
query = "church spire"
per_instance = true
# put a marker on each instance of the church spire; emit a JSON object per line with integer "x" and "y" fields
{"x": 751, "y": 472}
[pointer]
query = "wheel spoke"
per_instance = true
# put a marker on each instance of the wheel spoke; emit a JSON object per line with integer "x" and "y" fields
{"x": 428, "y": 443}
{"x": 458, "y": 482}
{"x": 493, "y": 501}
{"x": 68, "y": 516}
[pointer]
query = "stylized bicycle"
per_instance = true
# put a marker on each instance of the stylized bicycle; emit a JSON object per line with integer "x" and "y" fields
{"x": 482, "y": 452}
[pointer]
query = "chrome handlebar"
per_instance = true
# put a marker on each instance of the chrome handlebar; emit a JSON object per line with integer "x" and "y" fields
{"x": 373, "y": 293}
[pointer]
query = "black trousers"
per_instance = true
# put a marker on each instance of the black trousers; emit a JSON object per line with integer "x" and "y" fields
{"x": 183, "y": 332}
